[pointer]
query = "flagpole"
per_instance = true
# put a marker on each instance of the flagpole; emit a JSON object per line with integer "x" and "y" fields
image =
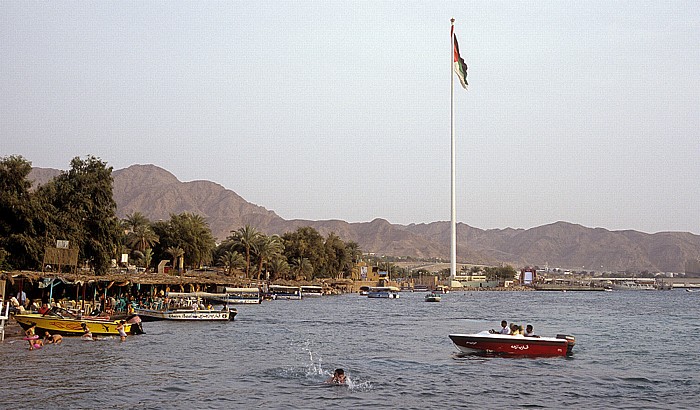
{"x": 453, "y": 223}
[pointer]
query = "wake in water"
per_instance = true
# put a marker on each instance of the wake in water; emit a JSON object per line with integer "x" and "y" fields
{"x": 313, "y": 371}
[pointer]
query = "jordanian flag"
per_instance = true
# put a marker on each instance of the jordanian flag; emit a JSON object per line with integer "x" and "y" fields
{"x": 460, "y": 66}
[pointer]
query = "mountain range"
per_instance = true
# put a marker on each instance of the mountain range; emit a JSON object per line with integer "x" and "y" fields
{"x": 157, "y": 193}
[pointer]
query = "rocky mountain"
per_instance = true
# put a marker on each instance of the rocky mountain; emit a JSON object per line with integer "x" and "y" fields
{"x": 157, "y": 193}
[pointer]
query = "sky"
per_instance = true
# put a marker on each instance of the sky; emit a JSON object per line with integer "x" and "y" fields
{"x": 584, "y": 112}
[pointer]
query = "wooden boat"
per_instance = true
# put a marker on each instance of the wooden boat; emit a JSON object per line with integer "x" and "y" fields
{"x": 495, "y": 343}
{"x": 433, "y": 297}
{"x": 186, "y": 314}
{"x": 73, "y": 326}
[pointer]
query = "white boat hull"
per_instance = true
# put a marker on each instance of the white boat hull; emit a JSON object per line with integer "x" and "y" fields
{"x": 186, "y": 314}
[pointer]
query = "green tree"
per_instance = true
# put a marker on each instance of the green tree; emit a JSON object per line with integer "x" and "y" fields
{"x": 147, "y": 259}
{"x": 279, "y": 268}
{"x": 302, "y": 268}
{"x": 189, "y": 232}
{"x": 141, "y": 238}
{"x": 306, "y": 243}
{"x": 18, "y": 212}
{"x": 134, "y": 221}
{"x": 177, "y": 257}
{"x": 231, "y": 260}
{"x": 338, "y": 258}
{"x": 266, "y": 248}
{"x": 78, "y": 206}
{"x": 246, "y": 237}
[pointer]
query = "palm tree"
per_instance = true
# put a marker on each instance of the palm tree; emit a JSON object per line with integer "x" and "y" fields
{"x": 246, "y": 237}
{"x": 354, "y": 250}
{"x": 133, "y": 221}
{"x": 177, "y": 253}
{"x": 279, "y": 267}
{"x": 142, "y": 237}
{"x": 266, "y": 247}
{"x": 147, "y": 258}
{"x": 301, "y": 267}
{"x": 231, "y": 260}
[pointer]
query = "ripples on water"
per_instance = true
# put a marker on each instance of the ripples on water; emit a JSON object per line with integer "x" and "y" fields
{"x": 634, "y": 350}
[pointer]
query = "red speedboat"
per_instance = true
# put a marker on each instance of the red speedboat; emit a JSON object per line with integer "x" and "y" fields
{"x": 494, "y": 343}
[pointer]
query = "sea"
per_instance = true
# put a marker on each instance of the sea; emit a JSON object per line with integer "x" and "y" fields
{"x": 634, "y": 350}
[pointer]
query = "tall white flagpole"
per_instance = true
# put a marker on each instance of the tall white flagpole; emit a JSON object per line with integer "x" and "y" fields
{"x": 453, "y": 223}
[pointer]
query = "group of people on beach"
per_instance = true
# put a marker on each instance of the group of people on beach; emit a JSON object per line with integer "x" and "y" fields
{"x": 515, "y": 330}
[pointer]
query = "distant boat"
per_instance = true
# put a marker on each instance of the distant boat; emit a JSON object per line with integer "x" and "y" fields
{"x": 421, "y": 288}
{"x": 432, "y": 297}
{"x": 231, "y": 296}
{"x": 632, "y": 285}
{"x": 311, "y": 291}
{"x": 284, "y": 292}
{"x": 383, "y": 292}
{"x": 239, "y": 296}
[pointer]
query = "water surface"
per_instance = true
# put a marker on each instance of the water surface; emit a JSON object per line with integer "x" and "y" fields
{"x": 634, "y": 350}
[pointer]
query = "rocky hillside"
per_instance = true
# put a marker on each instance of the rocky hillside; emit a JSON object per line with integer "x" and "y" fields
{"x": 157, "y": 193}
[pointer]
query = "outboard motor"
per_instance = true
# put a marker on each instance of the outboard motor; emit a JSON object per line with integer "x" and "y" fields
{"x": 136, "y": 326}
{"x": 571, "y": 342}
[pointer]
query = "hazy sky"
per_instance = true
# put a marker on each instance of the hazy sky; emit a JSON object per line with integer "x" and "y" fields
{"x": 581, "y": 111}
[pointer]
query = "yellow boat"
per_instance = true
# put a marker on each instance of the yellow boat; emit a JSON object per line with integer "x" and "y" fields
{"x": 69, "y": 326}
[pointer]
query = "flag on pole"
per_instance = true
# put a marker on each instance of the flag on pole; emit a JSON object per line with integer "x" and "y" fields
{"x": 460, "y": 66}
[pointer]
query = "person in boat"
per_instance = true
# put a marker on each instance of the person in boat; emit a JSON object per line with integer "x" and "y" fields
{"x": 338, "y": 377}
{"x": 505, "y": 330}
{"x": 515, "y": 330}
{"x": 44, "y": 309}
{"x": 52, "y": 339}
{"x": 529, "y": 331}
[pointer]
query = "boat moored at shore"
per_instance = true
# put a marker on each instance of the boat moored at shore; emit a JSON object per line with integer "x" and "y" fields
{"x": 311, "y": 291}
{"x": 187, "y": 314}
{"x": 383, "y": 292}
{"x": 284, "y": 292}
{"x": 72, "y": 326}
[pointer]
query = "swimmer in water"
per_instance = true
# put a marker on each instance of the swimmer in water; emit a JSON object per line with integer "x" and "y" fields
{"x": 338, "y": 377}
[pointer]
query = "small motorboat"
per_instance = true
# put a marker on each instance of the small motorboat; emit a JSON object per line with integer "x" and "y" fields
{"x": 433, "y": 297}
{"x": 186, "y": 314}
{"x": 495, "y": 343}
{"x": 56, "y": 322}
